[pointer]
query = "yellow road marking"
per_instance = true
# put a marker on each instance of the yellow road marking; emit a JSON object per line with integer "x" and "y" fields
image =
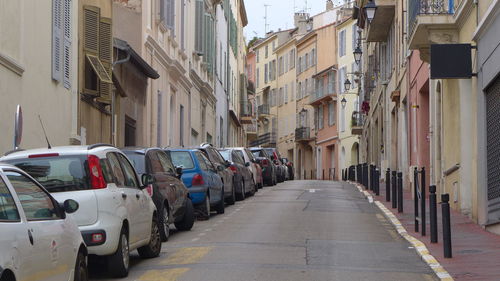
{"x": 187, "y": 255}
{"x": 163, "y": 275}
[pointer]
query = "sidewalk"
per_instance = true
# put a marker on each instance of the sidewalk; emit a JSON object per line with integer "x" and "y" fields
{"x": 476, "y": 252}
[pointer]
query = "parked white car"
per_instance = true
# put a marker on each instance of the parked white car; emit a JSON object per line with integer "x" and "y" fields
{"x": 247, "y": 155}
{"x": 38, "y": 241}
{"x": 116, "y": 214}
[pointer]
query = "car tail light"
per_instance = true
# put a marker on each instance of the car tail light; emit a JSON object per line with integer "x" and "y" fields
{"x": 149, "y": 190}
{"x": 97, "y": 238}
{"x": 96, "y": 178}
{"x": 43, "y": 155}
{"x": 265, "y": 163}
{"x": 198, "y": 180}
{"x": 233, "y": 168}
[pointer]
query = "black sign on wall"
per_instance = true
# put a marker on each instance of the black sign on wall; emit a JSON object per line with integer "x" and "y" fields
{"x": 451, "y": 61}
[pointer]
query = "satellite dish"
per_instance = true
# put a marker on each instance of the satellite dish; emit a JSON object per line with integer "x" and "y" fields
{"x": 18, "y": 127}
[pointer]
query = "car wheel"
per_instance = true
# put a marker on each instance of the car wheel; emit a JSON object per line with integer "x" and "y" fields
{"x": 241, "y": 195}
{"x": 205, "y": 208}
{"x": 188, "y": 220}
{"x": 152, "y": 249}
{"x": 220, "y": 208}
{"x": 81, "y": 271}
{"x": 164, "y": 223}
{"x": 119, "y": 262}
{"x": 254, "y": 189}
{"x": 232, "y": 199}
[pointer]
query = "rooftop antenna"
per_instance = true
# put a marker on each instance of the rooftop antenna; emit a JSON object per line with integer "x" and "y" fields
{"x": 266, "y": 25}
{"x": 294, "y": 7}
{"x": 45, "y": 134}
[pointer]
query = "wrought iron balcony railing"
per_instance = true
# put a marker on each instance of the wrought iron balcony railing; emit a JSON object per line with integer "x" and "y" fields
{"x": 303, "y": 134}
{"x": 428, "y": 7}
{"x": 263, "y": 109}
{"x": 267, "y": 139}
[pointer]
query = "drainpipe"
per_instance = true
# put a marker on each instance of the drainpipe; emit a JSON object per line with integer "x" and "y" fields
{"x": 113, "y": 99}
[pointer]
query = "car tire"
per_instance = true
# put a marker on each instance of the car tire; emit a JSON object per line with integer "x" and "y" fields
{"x": 220, "y": 208}
{"x": 241, "y": 196}
{"x": 205, "y": 208}
{"x": 153, "y": 248}
{"x": 119, "y": 262}
{"x": 164, "y": 219}
{"x": 81, "y": 270}
{"x": 254, "y": 189}
{"x": 232, "y": 199}
{"x": 188, "y": 220}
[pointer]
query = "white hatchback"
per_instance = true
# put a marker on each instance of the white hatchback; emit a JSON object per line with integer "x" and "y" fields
{"x": 116, "y": 215}
{"x": 38, "y": 241}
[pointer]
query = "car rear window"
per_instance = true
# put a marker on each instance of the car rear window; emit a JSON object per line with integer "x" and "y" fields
{"x": 182, "y": 159}
{"x": 226, "y": 154}
{"x": 259, "y": 153}
{"x": 57, "y": 174}
{"x": 137, "y": 160}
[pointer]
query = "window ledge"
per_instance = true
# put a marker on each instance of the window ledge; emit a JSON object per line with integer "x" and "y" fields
{"x": 11, "y": 64}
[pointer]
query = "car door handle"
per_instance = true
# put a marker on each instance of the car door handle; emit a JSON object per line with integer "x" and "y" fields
{"x": 30, "y": 236}
{"x": 124, "y": 195}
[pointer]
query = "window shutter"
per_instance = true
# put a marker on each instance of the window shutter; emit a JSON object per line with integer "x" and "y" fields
{"x": 183, "y": 21}
{"x": 91, "y": 16}
{"x": 106, "y": 56}
{"x": 67, "y": 45}
{"x": 163, "y": 9}
{"x": 57, "y": 41}
{"x": 199, "y": 26}
{"x": 171, "y": 17}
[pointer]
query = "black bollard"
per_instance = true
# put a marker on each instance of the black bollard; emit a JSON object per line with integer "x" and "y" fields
{"x": 400, "y": 192}
{"x": 433, "y": 213}
{"x": 445, "y": 209}
{"x": 370, "y": 184}
{"x": 377, "y": 182}
{"x": 388, "y": 185}
{"x": 365, "y": 173}
{"x": 415, "y": 197}
{"x": 359, "y": 173}
{"x": 422, "y": 202}
{"x": 394, "y": 190}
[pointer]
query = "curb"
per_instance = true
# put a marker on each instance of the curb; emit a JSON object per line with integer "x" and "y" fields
{"x": 419, "y": 246}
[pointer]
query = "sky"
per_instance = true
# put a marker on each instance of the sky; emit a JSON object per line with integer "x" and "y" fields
{"x": 279, "y": 14}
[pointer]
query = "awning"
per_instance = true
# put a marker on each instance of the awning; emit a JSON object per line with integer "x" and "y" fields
{"x": 135, "y": 58}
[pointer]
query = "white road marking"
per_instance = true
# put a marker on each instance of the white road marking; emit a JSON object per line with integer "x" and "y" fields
{"x": 312, "y": 190}
{"x": 195, "y": 239}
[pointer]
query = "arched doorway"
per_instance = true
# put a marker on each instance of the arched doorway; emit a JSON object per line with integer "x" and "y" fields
{"x": 355, "y": 154}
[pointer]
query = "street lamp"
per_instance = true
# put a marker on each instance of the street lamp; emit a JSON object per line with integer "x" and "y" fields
{"x": 343, "y": 102}
{"x": 347, "y": 85}
{"x": 357, "y": 54}
{"x": 370, "y": 9}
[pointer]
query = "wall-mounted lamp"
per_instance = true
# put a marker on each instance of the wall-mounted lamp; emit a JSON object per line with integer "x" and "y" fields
{"x": 357, "y": 54}
{"x": 347, "y": 85}
{"x": 343, "y": 102}
{"x": 370, "y": 9}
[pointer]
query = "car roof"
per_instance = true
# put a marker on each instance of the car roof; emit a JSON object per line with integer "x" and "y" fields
{"x": 139, "y": 149}
{"x": 8, "y": 166}
{"x": 182, "y": 149}
{"x": 62, "y": 150}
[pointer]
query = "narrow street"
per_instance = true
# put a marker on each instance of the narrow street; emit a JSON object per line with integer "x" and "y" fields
{"x": 299, "y": 230}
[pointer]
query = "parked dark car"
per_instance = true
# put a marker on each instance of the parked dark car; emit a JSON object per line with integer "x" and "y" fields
{"x": 289, "y": 165}
{"x": 268, "y": 167}
{"x": 243, "y": 178}
{"x": 170, "y": 195}
{"x": 275, "y": 156}
{"x": 201, "y": 178}
{"x": 222, "y": 167}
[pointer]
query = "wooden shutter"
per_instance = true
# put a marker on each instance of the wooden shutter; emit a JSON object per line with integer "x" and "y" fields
{"x": 91, "y": 15}
{"x": 57, "y": 40}
{"x": 106, "y": 57}
{"x": 67, "y": 44}
{"x": 198, "y": 46}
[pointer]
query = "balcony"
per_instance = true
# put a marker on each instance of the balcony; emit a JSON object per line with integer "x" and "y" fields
{"x": 246, "y": 116}
{"x": 319, "y": 97}
{"x": 266, "y": 140}
{"x": 357, "y": 123}
{"x": 432, "y": 22}
{"x": 263, "y": 111}
{"x": 303, "y": 134}
{"x": 382, "y": 21}
{"x": 251, "y": 129}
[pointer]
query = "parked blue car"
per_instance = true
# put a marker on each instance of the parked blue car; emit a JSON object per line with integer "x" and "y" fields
{"x": 200, "y": 177}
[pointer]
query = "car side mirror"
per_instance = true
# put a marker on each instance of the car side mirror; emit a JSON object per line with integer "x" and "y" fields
{"x": 228, "y": 164}
{"x": 178, "y": 171}
{"x": 147, "y": 179}
{"x": 70, "y": 206}
{"x": 247, "y": 164}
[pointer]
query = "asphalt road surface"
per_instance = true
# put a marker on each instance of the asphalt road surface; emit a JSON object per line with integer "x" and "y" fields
{"x": 298, "y": 230}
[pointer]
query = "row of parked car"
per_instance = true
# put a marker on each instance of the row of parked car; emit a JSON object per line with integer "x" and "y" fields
{"x": 61, "y": 205}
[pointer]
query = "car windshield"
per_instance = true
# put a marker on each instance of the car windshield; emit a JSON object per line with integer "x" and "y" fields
{"x": 259, "y": 153}
{"x": 137, "y": 160}
{"x": 226, "y": 154}
{"x": 182, "y": 159}
{"x": 57, "y": 174}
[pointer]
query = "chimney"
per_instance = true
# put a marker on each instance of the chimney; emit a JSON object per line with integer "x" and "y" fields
{"x": 329, "y": 5}
{"x": 300, "y": 21}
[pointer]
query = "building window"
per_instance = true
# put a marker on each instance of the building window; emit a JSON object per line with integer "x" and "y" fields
{"x": 299, "y": 66}
{"x": 306, "y": 66}
{"x": 257, "y": 78}
{"x": 320, "y": 117}
{"x": 266, "y": 73}
{"x": 292, "y": 59}
{"x": 286, "y": 93}
{"x": 258, "y": 57}
{"x": 313, "y": 57}
{"x": 331, "y": 114}
{"x": 267, "y": 52}
{"x": 181, "y": 125}
{"x": 342, "y": 49}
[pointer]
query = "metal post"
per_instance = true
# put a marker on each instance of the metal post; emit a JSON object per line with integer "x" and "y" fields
{"x": 377, "y": 182}
{"x": 365, "y": 173}
{"x": 445, "y": 209}
{"x": 433, "y": 213}
{"x": 305, "y": 174}
{"x": 311, "y": 174}
{"x": 400, "y": 192}
{"x": 415, "y": 197}
{"x": 394, "y": 190}
{"x": 359, "y": 173}
{"x": 422, "y": 202}
{"x": 323, "y": 175}
{"x": 388, "y": 185}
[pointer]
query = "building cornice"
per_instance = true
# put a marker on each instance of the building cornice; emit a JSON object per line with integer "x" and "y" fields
{"x": 11, "y": 64}
{"x": 488, "y": 18}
